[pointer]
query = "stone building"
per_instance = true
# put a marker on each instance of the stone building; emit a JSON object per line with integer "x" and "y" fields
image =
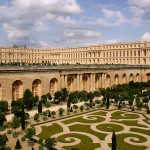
{"x": 89, "y": 68}
{"x": 122, "y": 53}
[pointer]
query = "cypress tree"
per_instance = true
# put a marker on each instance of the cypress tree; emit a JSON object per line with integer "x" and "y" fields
{"x": 40, "y": 107}
{"x": 114, "y": 142}
{"x": 49, "y": 114}
{"x": 32, "y": 148}
{"x": 23, "y": 119}
{"x": 107, "y": 102}
{"x": 18, "y": 145}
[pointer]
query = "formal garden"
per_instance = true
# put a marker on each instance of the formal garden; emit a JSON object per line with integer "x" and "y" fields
{"x": 116, "y": 117}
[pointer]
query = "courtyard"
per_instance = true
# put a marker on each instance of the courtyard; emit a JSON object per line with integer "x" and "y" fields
{"x": 93, "y": 130}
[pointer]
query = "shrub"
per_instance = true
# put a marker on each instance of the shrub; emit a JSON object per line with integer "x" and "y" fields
{"x": 8, "y": 148}
{"x": 40, "y": 141}
{"x": 30, "y": 143}
{"x": 41, "y": 148}
{"x": 44, "y": 113}
{"x": 44, "y": 118}
{"x": 36, "y": 116}
{"x": 81, "y": 108}
{"x": 23, "y": 139}
{"x": 9, "y": 131}
{"x": 15, "y": 135}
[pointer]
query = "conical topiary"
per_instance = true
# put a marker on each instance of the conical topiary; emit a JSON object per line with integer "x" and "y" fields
{"x": 18, "y": 145}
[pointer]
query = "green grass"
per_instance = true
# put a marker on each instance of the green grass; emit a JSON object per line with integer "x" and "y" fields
{"x": 48, "y": 131}
{"x": 81, "y": 120}
{"x": 87, "y": 129}
{"x": 117, "y": 115}
{"x": 122, "y": 145}
{"x": 86, "y": 142}
{"x": 131, "y": 123}
{"x": 101, "y": 113}
{"x": 109, "y": 127}
{"x": 146, "y": 132}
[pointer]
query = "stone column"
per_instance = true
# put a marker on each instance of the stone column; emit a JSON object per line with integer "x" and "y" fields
{"x": 62, "y": 81}
{"x": 93, "y": 82}
{"x": 103, "y": 80}
{"x": 80, "y": 82}
{"x": 65, "y": 85}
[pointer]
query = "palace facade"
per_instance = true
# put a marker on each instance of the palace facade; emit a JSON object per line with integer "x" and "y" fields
{"x": 78, "y": 68}
{"x": 136, "y": 53}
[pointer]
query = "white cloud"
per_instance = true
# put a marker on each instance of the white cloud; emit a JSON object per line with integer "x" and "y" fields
{"x": 66, "y": 21}
{"x": 22, "y": 20}
{"x": 146, "y": 36}
{"x": 140, "y": 9}
{"x": 111, "y": 18}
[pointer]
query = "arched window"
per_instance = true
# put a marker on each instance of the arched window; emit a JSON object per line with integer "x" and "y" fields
{"x": 36, "y": 87}
{"x": 131, "y": 77}
{"x": 85, "y": 83}
{"x": 70, "y": 84}
{"x": 97, "y": 78}
{"x": 16, "y": 90}
{"x": 116, "y": 79}
{"x": 53, "y": 86}
{"x": 124, "y": 79}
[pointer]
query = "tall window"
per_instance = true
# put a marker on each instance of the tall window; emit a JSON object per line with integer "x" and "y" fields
{"x": 16, "y": 90}
{"x": 53, "y": 86}
{"x": 36, "y": 87}
{"x": 85, "y": 83}
{"x": 70, "y": 84}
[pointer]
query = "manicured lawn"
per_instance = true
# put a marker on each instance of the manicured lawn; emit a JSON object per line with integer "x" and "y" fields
{"x": 124, "y": 115}
{"x": 48, "y": 131}
{"x": 146, "y": 132}
{"x": 109, "y": 127}
{"x": 131, "y": 123}
{"x": 86, "y": 142}
{"x": 122, "y": 145}
{"x": 101, "y": 113}
{"x": 87, "y": 129}
{"x": 83, "y": 125}
{"x": 82, "y": 120}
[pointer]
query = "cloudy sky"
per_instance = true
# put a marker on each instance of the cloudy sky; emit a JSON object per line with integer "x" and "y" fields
{"x": 61, "y": 23}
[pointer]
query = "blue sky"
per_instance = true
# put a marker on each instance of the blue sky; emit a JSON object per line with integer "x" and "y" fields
{"x": 61, "y": 23}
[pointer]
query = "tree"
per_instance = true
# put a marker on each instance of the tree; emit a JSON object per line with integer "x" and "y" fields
{"x": 83, "y": 96}
{"x": 114, "y": 142}
{"x": 3, "y": 106}
{"x": 30, "y": 132}
{"x": 2, "y": 118}
{"x": 47, "y": 104}
{"x": 58, "y": 96}
{"x": 81, "y": 108}
{"x": 64, "y": 94}
{"x": 75, "y": 107}
{"x": 90, "y": 96}
{"x": 23, "y": 119}
{"x": 40, "y": 107}
{"x": 50, "y": 143}
{"x": 3, "y": 140}
{"x": 49, "y": 96}
{"x": 27, "y": 98}
{"x": 18, "y": 145}
{"x": 61, "y": 110}
{"x": 53, "y": 113}
{"x": 107, "y": 102}
{"x": 15, "y": 123}
{"x": 44, "y": 98}
{"x": 119, "y": 106}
